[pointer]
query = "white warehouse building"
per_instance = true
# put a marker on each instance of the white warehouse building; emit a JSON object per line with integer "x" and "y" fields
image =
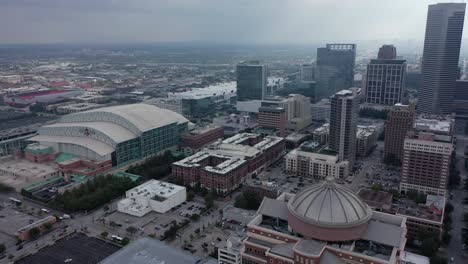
{"x": 150, "y": 196}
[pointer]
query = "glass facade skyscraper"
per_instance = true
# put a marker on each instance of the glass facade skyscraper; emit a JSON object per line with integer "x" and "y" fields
{"x": 251, "y": 81}
{"x": 335, "y": 68}
{"x": 442, "y": 42}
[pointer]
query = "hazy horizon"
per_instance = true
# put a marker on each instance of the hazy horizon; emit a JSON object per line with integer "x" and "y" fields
{"x": 236, "y": 22}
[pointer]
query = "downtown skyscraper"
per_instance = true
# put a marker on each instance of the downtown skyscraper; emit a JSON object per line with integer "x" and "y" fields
{"x": 385, "y": 78}
{"x": 442, "y": 42}
{"x": 335, "y": 68}
{"x": 251, "y": 81}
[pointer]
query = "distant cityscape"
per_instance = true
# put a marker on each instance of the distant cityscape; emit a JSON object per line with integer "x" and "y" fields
{"x": 190, "y": 154}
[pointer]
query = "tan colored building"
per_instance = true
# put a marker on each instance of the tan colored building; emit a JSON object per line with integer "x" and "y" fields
{"x": 273, "y": 118}
{"x": 399, "y": 122}
{"x": 427, "y": 156}
{"x": 317, "y": 161}
{"x": 366, "y": 140}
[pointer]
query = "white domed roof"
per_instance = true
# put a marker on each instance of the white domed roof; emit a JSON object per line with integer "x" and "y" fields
{"x": 329, "y": 205}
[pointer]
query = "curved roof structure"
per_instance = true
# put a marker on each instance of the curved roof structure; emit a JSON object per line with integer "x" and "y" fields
{"x": 138, "y": 118}
{"x": 101, "y": 130}
{"x": 117, "y": 133}
{"x": 330, "y": 205}
{"x": 327, "y": 212}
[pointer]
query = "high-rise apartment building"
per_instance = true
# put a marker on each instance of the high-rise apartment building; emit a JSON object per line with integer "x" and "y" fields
{"x": 251, "y": 81}
{"x": 399, "y": 121}
{"x": 343, "y": 123}
{"x": 387, "y": 52}
{"x": 335, "y": 68}
{"x": 442, "y": 42}
{"x": 427, "y": 156}
{"x": 385, "y": 78}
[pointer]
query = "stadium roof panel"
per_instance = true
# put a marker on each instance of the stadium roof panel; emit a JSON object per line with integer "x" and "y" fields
{"x": 115, "y": 132}
{"x": 145, "y": 117}
{"x": 98, "y": 147}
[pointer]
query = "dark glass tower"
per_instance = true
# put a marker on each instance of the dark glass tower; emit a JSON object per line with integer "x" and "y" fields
{"x": 251, "y": 81}
{"x": 444, "y": 30}
{"x": 335, "y": 68}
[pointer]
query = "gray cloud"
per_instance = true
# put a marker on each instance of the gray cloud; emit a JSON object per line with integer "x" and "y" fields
{"x": 221, "y": 21}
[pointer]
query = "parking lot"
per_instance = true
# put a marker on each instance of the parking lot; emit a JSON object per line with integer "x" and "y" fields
{"x": 12, "y": 218}
{"x": 205, "y": 242}
{"x": 91, "y": 250}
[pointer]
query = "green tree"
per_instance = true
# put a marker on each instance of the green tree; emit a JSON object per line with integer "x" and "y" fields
{"x": 195, "y": 217}
{"x": 48, "y": 226}
{"x": 125, "y": 241}
{"x": 5, "y": 188}
{"x": 438, "y": 260}
{"x": 377, "y": 187}
{"x": 446, "y": 237}
{"x": 247, "y": 200}
{"x": 2, "y": 248}
{"x": 190, "y": 196}
{"x": 104, "y": 234}
{"x": 429, "y": 246}
{"x": 448, "y": 208}
{"x": 34, "y": 232}
{"x": 209, "y": 201}
{"x": 131, "y": 230}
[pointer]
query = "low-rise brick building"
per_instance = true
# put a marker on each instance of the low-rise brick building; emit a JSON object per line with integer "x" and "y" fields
{"x": 224, "y": 165}
{"x": 197, "y": 139}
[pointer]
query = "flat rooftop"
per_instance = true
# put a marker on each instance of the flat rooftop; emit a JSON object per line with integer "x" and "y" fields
{"x": 437, "y": 125}
{"x": 231, "y": 150}
{"x": 432, "y": 211}
{"x": 365, "y": 131}
{"x": 315, "y": 147}
{"x": 325, "y": 128}
{"x": 150, "y": 251}
{"x": 295, "y": 137}
{"x": 202, "y": 130}
{"x": 375, "y": 197}
{"x": 155, "y": 188}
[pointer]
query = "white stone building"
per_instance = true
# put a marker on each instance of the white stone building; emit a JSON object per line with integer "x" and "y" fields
{"x": 150, "y": 196}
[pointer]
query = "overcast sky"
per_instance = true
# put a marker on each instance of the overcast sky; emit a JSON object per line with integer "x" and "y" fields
{"x": 211, "y": 21}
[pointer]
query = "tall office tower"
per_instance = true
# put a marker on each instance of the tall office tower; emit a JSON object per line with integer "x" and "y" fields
{"x": 385, "y": 78}
{"x": 307, "y": 72}
{"x": 251, "y": 81}
{"x": 444, "y": 30}
{"x": 335, "y": 68}
{"x": 343, "y": 123}
{"x": 427, "y": 156}
{"x": 387, "y": 52}
{"x": 399, "y": 121}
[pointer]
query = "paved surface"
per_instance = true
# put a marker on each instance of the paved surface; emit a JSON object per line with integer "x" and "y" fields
{"x": 78, "y": 248}
{"x": 455, "y": 247}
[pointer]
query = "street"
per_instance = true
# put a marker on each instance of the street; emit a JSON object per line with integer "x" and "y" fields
{"x": 455, "y": 247}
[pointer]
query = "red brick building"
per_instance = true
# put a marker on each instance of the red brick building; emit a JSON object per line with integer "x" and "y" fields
{"x": 23, "y": 233}
{"x": 223, "y": 166}
{"x": 196, "y": 140}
